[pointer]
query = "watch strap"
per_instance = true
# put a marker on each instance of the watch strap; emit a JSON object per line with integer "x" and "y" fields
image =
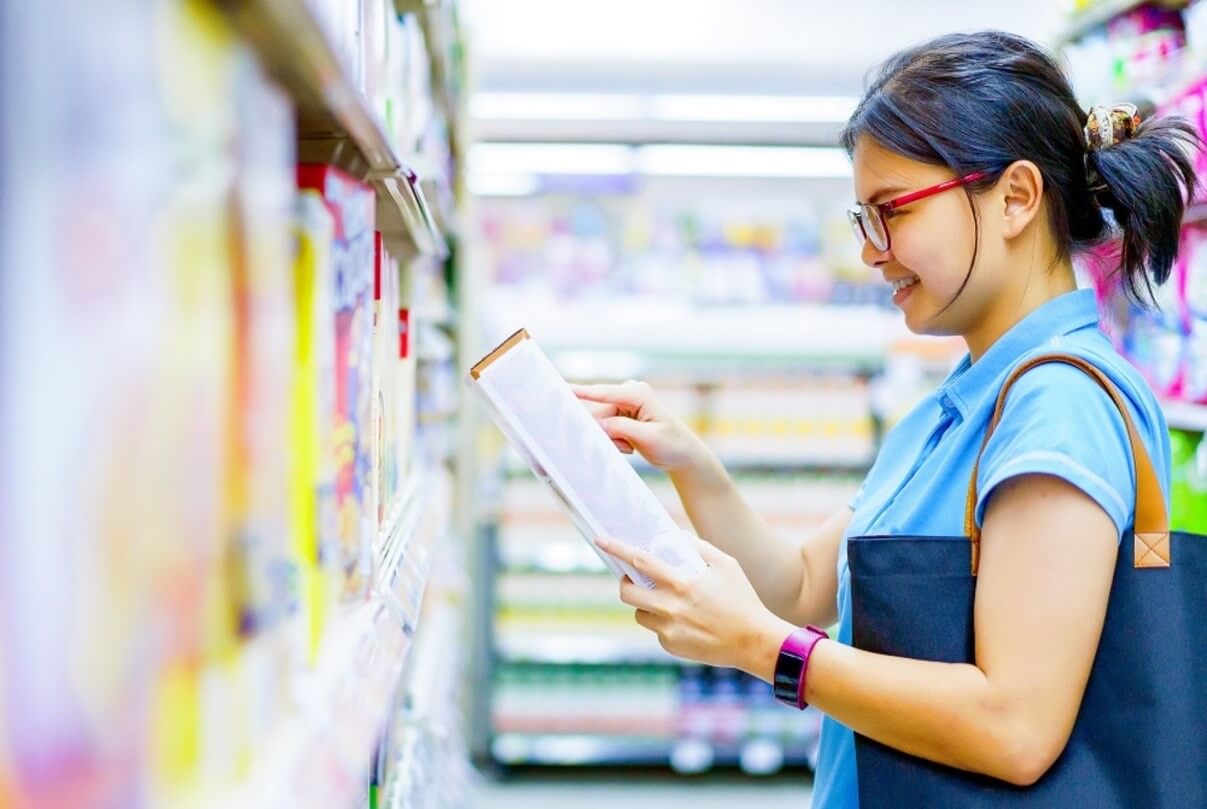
{"x": 792, "y": 665}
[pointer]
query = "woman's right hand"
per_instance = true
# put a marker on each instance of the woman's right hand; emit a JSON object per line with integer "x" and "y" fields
{"x": 634, "y": 418}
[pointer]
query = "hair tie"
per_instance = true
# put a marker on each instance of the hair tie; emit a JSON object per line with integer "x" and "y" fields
{"x": 1107, "y": 126}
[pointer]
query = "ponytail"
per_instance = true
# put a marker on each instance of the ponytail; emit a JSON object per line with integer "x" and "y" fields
{"x": 1144, "y": 181}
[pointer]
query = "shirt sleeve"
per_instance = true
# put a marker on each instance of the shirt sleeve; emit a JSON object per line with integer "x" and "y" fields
{"x": 1059, "y": 422}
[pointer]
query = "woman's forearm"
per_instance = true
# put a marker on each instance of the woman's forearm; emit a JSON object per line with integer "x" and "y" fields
{"x": 950, "y": 713}
{"x": 719, "y": 514}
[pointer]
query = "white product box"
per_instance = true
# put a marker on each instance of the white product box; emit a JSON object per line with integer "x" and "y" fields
{"x": 565, "y": 448}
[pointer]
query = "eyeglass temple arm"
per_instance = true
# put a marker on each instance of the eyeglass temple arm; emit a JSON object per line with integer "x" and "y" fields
{"x": 894, "y": 204}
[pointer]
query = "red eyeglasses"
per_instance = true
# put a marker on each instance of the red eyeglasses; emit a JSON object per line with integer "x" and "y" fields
{"x": 870, "y": 222}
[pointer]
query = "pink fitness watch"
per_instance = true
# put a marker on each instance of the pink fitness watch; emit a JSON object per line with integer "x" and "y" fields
{"x": 793, "y": 663}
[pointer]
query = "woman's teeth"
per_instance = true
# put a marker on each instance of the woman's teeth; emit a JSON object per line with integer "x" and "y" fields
{"x": 903, "y": 283}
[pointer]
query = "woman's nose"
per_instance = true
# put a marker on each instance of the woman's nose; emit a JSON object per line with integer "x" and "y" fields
{"x": 873, "y": 256}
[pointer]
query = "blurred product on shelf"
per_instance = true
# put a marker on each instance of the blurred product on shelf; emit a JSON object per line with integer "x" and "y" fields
{"x": 577, "y": 681}
{"x": 1189, "y": 489}
{"x": 824, "y": 422}
{"x": 423, "y": 759}
{"x": 709, "y": 250}
{"x": 535, "y": 536}
{"x": 688, "y": 717}
{"x": 315, "y": 520}
{"x": 385, "y": 57}
{"x": 351, "y": 205}
{"x": 820, "y": 421}
{"x": 1158, "y": 55}
{"x": 1141, "y": 49}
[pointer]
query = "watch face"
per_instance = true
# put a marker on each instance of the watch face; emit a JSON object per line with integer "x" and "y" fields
{"x": 788, "y": 667}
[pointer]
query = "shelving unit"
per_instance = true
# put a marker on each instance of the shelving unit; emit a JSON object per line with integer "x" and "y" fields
{"x": 554, "y": 602}
{"x": 580, "y": 648}
{"x": 1101, "y": 12}
{"x": 1163, "y": 343}
{"x": 249, "y": 579}
{"x": 763, "y": 757}
{"x": 335, "y": 123}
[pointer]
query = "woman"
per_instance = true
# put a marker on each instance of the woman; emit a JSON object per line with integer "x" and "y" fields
{"x": 977, "y": 176}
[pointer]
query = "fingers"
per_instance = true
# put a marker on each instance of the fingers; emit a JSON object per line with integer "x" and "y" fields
{"x": 662, "y": 574}
{"x": 633, "y": 594}
{"x": 631, "y": 394}
{"x": 629, "y": 431}
{"x": 651, "y": 621}
{"x": 601, "y": 411}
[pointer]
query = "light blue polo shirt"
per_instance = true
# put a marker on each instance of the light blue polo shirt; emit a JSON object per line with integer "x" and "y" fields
{"x": 1057, "y": 421}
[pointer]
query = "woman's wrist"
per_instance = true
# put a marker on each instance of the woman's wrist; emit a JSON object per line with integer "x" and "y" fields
{"x": 700, "y": 470}
{"x": 763, "y": 649}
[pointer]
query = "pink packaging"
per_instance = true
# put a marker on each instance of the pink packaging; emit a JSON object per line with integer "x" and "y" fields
{"x": 1191, "y": 104}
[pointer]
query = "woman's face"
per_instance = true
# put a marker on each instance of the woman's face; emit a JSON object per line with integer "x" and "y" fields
{"x": 932, "y": 240}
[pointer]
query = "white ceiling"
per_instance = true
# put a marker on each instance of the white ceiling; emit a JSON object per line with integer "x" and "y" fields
{"x": 767, "y": 46}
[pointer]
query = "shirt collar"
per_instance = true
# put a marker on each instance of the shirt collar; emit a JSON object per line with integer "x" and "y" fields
{"x": 971, "y": 381}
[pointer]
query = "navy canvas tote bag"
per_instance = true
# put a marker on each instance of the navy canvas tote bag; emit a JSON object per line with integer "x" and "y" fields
{"x": 1140, "y": 737}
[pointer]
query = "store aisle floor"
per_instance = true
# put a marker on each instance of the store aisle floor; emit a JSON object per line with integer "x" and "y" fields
{"x": 593, "y": 790}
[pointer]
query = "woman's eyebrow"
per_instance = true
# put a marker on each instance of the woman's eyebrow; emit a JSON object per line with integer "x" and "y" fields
{"x": 888, "y": 192}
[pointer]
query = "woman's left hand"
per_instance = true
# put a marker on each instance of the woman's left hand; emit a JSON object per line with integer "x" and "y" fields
{"x": 713, "y": 616}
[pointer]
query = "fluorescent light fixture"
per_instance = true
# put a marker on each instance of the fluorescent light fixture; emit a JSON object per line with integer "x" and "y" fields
{"x": 693, "y": 160}
{"x": 514, "y": 168}
{"x": 550, "y": 158}
{"x": 556, "y": 107}
{"x": 753, "y": 108}
{"x": 502, "y": 185}
{"x": 699, "y": 107}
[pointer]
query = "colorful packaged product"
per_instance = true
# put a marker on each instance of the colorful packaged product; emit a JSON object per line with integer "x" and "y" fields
{"x": 259, "y": 465}
{"x": 1188, "y": 490}
{"x": 385, "y": 417}
{"x": 315, "y": 530}
{"x": 352, "y": 205}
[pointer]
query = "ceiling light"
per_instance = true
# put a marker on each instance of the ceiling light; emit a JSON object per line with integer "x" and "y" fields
{"x": 556, "y": 107}
{"x": 700, "y": 107}
{"x": 753, "y": 108}
{"x": 550, "y": 158}
{"x": 692, "y": 160}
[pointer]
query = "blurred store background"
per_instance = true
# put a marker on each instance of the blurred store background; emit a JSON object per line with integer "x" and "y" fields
{"x": 257, "y": 546}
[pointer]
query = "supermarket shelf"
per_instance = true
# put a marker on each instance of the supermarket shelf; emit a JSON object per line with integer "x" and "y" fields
{"x": 631, "y": 339}
{"x": 394, "y": 536}
{"x": 742, "y": 466}
{"x": 403, "y": 563}
{"x": 703, "y": 366}
{"x": 427, "y": 722}
{"x": 1185, "y": 415}
{"x": 753, "y": 465}
{"x": 319, "y": 759}
{"x": 582, "y": 648}
{"x": 1101, "y": 13}
{"x": 758, "y": 756}
{"x": 335, "y": 121}
{"x": 554, "y": 561}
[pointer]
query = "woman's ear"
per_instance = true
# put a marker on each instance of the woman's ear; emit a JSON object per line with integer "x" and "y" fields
{"x": 1022, "y": 189}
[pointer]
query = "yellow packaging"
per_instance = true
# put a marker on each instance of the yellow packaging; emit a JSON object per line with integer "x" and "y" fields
{"x": 312, "y": 421}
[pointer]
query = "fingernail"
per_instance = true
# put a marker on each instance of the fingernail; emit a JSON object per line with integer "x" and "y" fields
{"x": 602, "y": 542}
